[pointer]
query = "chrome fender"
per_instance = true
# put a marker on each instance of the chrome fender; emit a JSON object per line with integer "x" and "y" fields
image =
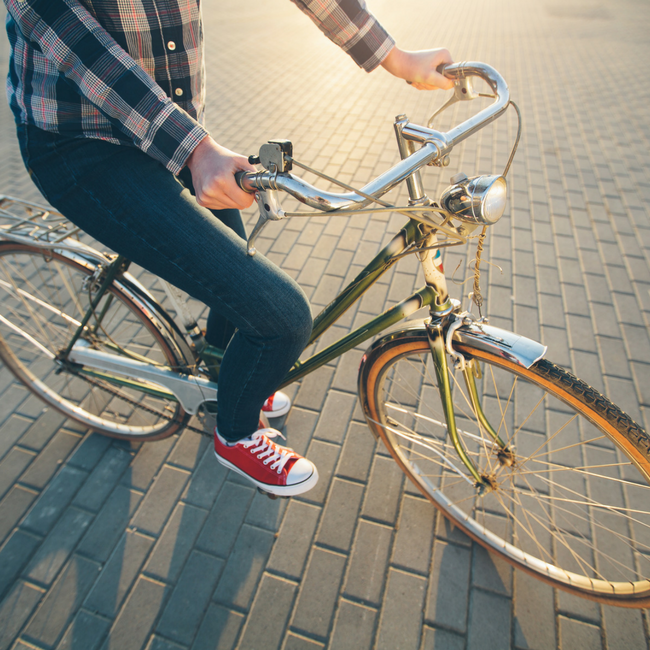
{"x": 507, "y": 345}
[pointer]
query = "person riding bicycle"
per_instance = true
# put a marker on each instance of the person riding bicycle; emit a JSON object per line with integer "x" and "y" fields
{"x": 108, "y": 99}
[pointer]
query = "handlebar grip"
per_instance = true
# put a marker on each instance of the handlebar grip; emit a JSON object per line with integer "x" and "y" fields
{"x": 243, "y": 179}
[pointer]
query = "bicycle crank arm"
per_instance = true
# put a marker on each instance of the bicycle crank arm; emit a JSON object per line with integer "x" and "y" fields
{"x": 190, "y": 390}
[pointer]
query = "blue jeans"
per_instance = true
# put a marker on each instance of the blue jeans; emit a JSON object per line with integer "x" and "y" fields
{"x": 131, "y": 203}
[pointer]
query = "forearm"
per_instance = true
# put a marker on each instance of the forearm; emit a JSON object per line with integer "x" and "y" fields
{"x": 73, "y": 41}
{"x": 352, "y": 27}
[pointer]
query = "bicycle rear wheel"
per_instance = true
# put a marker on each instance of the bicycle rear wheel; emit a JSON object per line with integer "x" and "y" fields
{"x": 571, "y": 505}
{"x": 43, "y": 297}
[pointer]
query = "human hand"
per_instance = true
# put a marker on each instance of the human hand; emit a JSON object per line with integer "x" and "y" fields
{"x": 419, "y": 68}
{"x": 213, "y": 170}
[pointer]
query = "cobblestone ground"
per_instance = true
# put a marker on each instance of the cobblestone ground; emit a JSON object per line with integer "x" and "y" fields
{"x": 110, "y": 546}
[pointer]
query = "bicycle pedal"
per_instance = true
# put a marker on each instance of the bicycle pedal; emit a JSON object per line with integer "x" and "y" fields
{"x": 270, "y": 495}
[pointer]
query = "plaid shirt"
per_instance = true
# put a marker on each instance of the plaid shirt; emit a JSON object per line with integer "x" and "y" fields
{"x": 132, "y": 72}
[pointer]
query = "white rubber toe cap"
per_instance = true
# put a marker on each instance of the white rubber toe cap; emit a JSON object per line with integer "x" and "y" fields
{"x": 302, "y": 471}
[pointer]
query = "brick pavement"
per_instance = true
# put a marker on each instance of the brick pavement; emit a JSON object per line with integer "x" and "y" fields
{"x": 106, "y": 545}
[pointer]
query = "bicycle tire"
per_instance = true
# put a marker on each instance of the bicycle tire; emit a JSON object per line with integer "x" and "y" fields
{"x": 44, "y": 295}
{"x": 570, "y": 511}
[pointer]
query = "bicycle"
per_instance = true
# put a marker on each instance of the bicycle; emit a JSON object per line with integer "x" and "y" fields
{"x": 525, "y": 458}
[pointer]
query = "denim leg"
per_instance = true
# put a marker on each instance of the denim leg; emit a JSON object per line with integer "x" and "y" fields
{"x": 219, "y": 329}
{"x": 128, "y": 201}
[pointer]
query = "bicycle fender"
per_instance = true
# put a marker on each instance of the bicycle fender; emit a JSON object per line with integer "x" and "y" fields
{"x": 508, "y": 345}
{"x": 89, "y": 258}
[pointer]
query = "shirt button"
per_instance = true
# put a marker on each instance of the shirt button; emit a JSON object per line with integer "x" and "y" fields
{"x": 179, "y": 92}
{"x": 171, "y": 46}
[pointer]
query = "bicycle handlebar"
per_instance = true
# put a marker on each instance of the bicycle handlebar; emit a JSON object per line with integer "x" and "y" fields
{"x": 435, "y": 145}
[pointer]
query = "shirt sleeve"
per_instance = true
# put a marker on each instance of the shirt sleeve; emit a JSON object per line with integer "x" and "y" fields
{"x": 72, "y": 40}
{"x": 350, "y": 25}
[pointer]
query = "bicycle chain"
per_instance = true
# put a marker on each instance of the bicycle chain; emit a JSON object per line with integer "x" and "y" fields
{"x": 142, "y": 407}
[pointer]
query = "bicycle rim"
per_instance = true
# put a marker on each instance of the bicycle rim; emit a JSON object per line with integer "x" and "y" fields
{"x": 572, "y": 509}
{"x": 44, "y": 296}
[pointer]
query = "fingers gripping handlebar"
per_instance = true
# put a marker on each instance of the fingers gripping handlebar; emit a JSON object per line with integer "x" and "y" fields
{"x": 434, "y": 145}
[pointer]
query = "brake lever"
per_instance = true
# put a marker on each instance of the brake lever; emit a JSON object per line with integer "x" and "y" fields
{"x": 463, "y": 92}
{"x": 270, "y": 210}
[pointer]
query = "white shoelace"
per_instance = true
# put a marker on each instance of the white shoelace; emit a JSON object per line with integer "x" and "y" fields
{"x": 267, "y": 450}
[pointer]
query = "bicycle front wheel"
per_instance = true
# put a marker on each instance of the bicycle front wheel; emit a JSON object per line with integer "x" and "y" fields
{"x": 43, "y": 297}
{"x": 570, "y": 501}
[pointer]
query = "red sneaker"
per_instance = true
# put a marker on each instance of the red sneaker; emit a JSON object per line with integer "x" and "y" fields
{"x": 271, "y": 467}
{"x": 277, "y": 405}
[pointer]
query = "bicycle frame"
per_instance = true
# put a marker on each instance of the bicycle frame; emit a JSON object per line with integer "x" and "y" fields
{"x": 434, "y": 146}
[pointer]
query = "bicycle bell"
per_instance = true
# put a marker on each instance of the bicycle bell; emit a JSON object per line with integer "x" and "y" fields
{"x": 477, "y": 200}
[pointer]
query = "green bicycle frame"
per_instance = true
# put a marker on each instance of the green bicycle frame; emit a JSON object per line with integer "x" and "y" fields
{"x": 409, "y": 235}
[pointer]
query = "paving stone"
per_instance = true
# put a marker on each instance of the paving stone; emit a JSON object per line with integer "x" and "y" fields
{"x": 294, "y": 539}
{"x": 190, "y": 598}
{"x": 345, "y": 378}
{"x": 58, "y": 546}
{"x": 313, "y": 389}
{"x": 324, "y": 456}
{"x": 14, "y": 555}
{"x": 86, "y": 632}
{"x": 434, "y": 638}
{"x": 189, "y": 450}
{"x": 146, "y": 463}
{"x": 296, "y": 642}
{"x": 103, "y": 478}
{"x": 42, "y": 431}
{"x": 383, "y": 493}
{"x": 490, "y": 623}
{"x": 89, "y": 452}
{"x": 624, "y": 628}
{"x": 366, "y": 574}
{"x": 15, "y": 609}
{"x": 357, "y": 453}
{"x": 13, "y": 507}
{"x": 12, "y": 466}
{"x": 224, "y": 522}
{"x": 175, "y": 543}
{"x": 401, "y": 618}
{"x": 340, "y": 515}
{"x": 109, "y": 525}
{"x": 137, "y": 617}
{"x": 354, "y": 627}
{"x": 448, "y": 596}
{"x": 414, "y": 538}
{"x": 534, "y": 614}
{"x": 160, "y": 500}
{"x": 578, "y": 607}
{"x": 12, "y": 429}
{"x": 298, "y": 429}
{"x": 244, "y": 567}
{"x": 49, "y": 460}
{"x": 205, "y": 482}
{"x": 490, "y": 572}
{"x": 219, "y": 630}
{"x": 333, "y": 420}
{"x": 319, "y": 593}
{"x": 265, "y": 512}
{"x": 62, "y": 601}
{"x": 578, "y": 635}
{"x": 118, "y": 574}
{"x": 54, "y": 500}
{"x": 158, "y": 643}
{"x": 269, "y": 615}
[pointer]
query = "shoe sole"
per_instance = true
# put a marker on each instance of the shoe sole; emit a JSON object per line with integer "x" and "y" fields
{"x": 279, "y": 490}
